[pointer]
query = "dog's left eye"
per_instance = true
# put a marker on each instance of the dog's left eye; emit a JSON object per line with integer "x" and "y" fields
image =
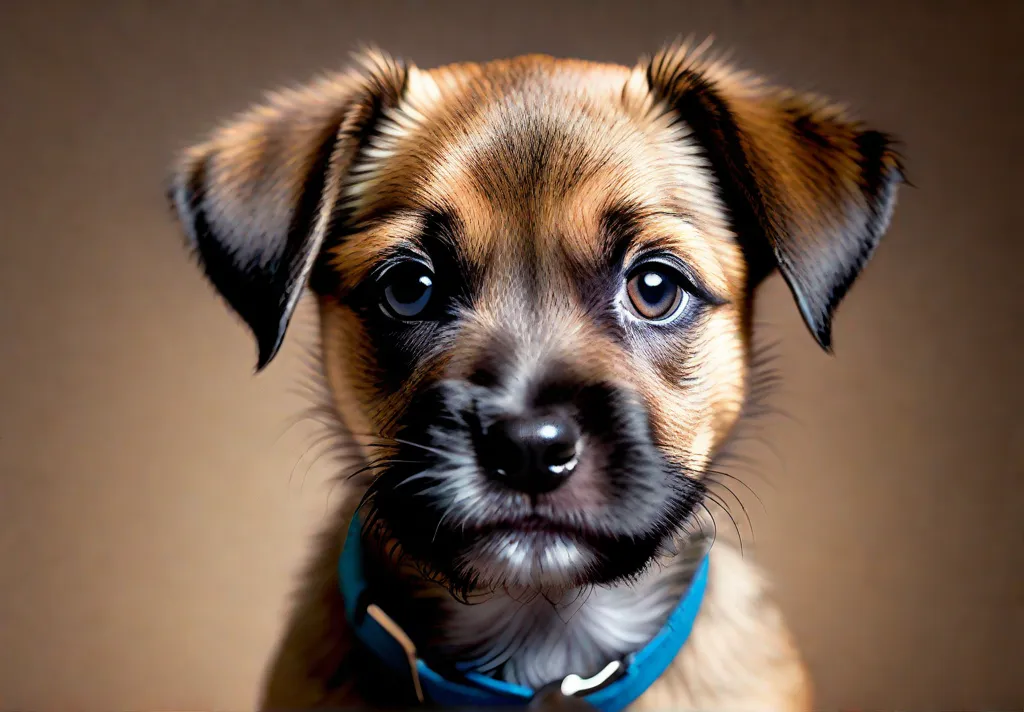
{"x": 406, "y": 290}
{"x": 655, "y": 293}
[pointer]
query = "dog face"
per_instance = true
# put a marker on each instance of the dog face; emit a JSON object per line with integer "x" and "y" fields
{"x": 535, "y": 281}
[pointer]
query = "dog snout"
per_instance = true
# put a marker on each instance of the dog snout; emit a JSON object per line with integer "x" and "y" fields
{"x": 533, "y": 453}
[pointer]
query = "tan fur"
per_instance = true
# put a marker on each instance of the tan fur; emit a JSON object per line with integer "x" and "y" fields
{"x": 452, "y": 139}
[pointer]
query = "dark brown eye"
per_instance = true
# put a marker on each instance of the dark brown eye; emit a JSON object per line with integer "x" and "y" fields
{"x": 407, "y": 289}
{"x": 654, "y": 293}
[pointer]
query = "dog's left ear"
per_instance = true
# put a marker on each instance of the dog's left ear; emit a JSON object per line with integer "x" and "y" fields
{"x": 257, "y": 198}
{"x": 810, "y": 190}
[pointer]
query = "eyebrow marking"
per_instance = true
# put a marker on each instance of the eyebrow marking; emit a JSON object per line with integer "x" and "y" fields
{"x": 359, "y": 250}
{"x": 620, "y": 227}
{"x": 422, "y": 228}
{"x": 440, "y": 229}
{"x": 623, "y": 223}
{"x": 381, "y": 214}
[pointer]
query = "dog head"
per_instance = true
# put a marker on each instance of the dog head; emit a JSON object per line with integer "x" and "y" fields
{"x": 535, "y": 282}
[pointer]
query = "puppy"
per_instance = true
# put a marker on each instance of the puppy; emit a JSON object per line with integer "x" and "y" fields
{"x": 535, "y": 281}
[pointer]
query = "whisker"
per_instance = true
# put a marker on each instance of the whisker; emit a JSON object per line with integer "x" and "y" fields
{"x": 722, "y": 505}
{"x": 719, "y": 473}
{"x": 435, "y": 451}
{"x": 440, "y": 521}
{"x": 317, "y": 442}
{"x": 376, "y": 464}
{"x": 425, "y": 475}
{"x": 711, "y": 519}
{"x": 751, "y": 464}
{"x": 743, "y": 508}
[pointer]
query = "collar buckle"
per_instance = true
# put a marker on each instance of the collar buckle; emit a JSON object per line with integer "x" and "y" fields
{"x": 574, "y": 685}
{"x": 404, "y": 641}
{"x": 570, "y": 692}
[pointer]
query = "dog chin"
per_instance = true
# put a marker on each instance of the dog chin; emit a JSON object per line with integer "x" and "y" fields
{"x": 530, "y": 560}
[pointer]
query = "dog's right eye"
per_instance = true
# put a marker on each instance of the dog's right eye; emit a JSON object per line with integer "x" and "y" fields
{"x": 656, "y": 293}
{"x": 406, "y": 290}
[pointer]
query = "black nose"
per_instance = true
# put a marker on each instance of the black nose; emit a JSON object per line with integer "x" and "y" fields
{"x": 533, "y": 454}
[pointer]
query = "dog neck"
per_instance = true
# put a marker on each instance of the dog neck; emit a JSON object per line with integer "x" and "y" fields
{"x": 532, "y": 638}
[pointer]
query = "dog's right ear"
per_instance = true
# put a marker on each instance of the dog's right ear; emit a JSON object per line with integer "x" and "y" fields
{"x": 810, "y": 189}
{"x": 256, "y": 199}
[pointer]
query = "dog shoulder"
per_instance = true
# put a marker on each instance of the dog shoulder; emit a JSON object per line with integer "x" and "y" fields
{"x": 318, "y": 664}
{"x": 314, "y": 665}
{"x": 316, "y": 642}
{"x": 741, "y": 655}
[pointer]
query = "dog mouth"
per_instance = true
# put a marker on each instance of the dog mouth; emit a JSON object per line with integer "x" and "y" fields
{"x": 532, "y": 526}
{"x": 492, "y": 539}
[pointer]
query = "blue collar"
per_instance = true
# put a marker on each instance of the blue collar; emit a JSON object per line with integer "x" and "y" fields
{"x": 612, "y": 690}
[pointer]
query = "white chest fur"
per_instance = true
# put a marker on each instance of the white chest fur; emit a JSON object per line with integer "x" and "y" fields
{"x": 531, "y": 639}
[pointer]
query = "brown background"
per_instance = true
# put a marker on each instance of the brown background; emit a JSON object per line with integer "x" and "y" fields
{"x": 155, "y": 503}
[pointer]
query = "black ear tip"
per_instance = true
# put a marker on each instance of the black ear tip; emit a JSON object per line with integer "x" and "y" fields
{"x": 822, "y": 331}
{"x": 269, "y": 345}
{"x": 897, "y": 156}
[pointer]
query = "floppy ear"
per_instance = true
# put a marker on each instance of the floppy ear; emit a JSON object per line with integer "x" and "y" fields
{"x": 810, "y": 190}
{"x": 257, "y": 198}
